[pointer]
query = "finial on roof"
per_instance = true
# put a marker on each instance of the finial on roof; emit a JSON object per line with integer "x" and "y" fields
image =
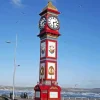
{"x": 50, "y": 6}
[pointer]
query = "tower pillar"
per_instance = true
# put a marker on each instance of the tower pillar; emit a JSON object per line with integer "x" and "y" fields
{"x": 47, "y": 88}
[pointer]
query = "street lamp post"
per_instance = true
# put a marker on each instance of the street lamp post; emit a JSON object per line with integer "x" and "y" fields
{"x": 15, "y": 49}
{"x": 14, "y": 68}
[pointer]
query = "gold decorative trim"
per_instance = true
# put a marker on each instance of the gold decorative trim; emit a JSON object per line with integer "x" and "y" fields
{"x": 53, "y": 36}
{"x": 49, "y": 35}
{"x": 53, "y": 87}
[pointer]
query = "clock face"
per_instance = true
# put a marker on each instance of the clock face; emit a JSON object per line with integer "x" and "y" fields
{"x": 42, "y": 23}
{"x": 53, "y": 22}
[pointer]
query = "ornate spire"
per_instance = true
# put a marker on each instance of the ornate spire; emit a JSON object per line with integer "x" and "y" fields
{"x": 50, "y": 6}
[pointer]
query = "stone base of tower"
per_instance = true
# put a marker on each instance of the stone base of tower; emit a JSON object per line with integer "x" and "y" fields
{"x": 46, "y": 92}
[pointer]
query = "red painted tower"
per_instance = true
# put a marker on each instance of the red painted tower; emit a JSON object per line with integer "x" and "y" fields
{"x": 47, "y": 88}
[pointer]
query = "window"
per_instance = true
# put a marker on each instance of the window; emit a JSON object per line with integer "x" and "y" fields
{"x": 37, "y": 93}
{"x": 53, "y": 94}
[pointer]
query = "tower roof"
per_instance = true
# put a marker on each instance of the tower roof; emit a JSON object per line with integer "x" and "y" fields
{"x": 50, "y": 6}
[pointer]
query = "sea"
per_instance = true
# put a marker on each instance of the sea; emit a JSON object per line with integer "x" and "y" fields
{"x": 63, "y": 94}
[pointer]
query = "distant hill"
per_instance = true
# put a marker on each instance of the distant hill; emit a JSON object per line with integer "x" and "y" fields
{"x": 17, "y": 88}
{"x": 95, "y": 90}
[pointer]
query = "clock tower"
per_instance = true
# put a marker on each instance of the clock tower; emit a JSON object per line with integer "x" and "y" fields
{"x": 47, "y": 88}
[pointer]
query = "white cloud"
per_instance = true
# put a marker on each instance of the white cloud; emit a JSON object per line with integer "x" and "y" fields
{"x": 17, "y": 2}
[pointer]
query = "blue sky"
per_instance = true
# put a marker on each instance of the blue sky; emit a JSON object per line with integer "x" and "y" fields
{"x": 79, "y": 45}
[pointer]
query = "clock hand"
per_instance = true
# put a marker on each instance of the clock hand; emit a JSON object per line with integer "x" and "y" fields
{"x": 53, "y": 24}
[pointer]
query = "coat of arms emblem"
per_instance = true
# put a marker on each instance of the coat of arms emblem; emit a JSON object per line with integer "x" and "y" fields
{"x": 51, "y": 49}
{"x": 51, "y": 70}
{"x": 42, "y": 70}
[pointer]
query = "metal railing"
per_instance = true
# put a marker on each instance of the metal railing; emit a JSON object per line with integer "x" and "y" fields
{"x": 63, "y": 98}
{"x": 79, "y": 98}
